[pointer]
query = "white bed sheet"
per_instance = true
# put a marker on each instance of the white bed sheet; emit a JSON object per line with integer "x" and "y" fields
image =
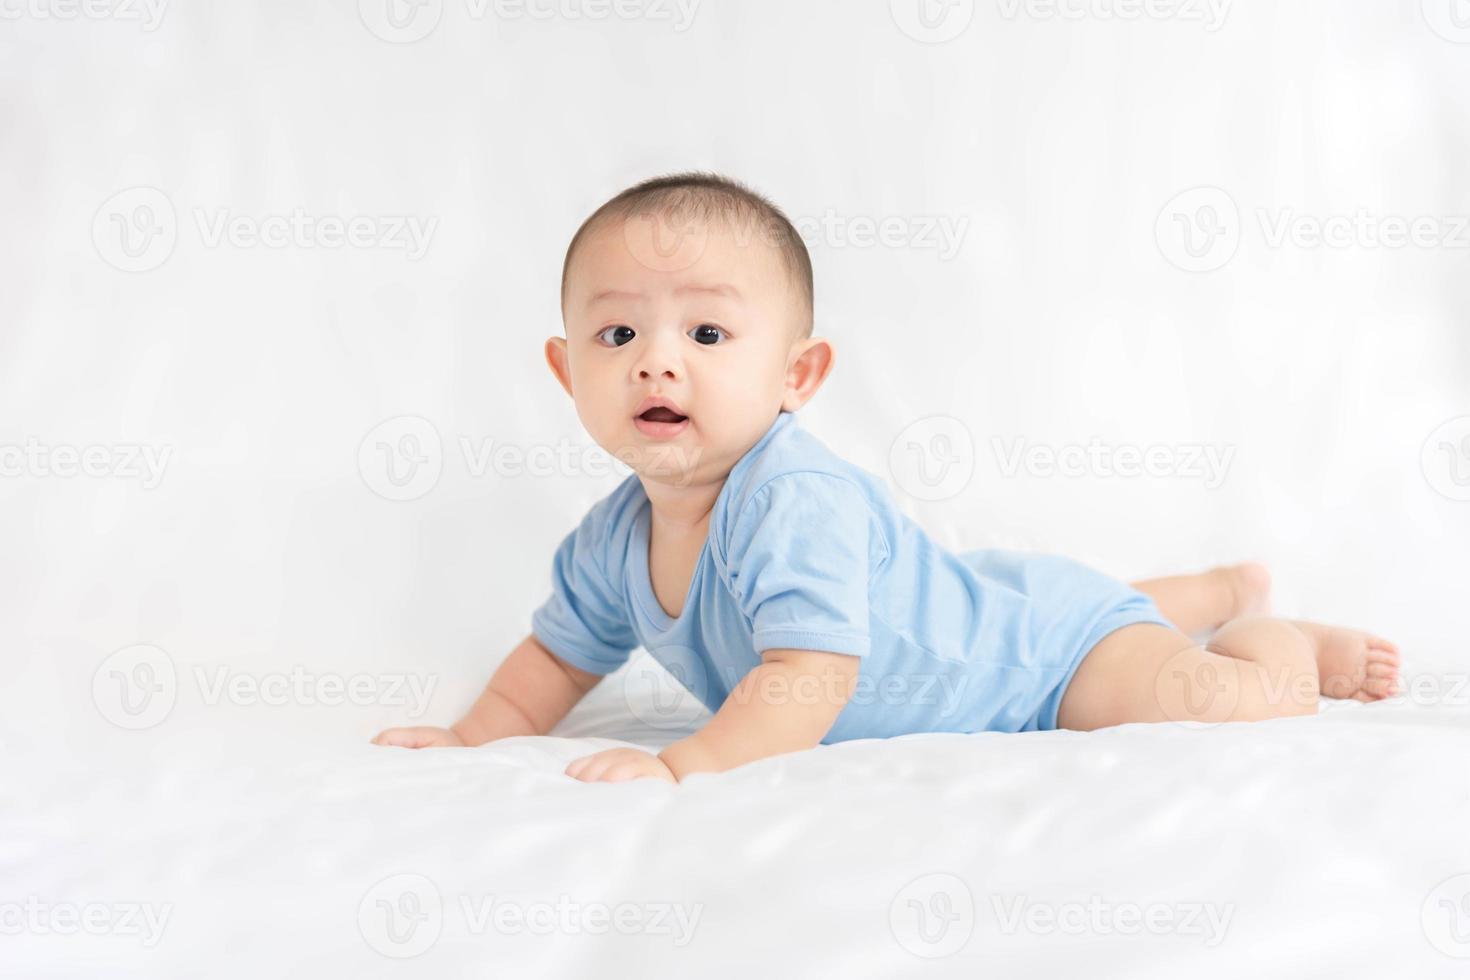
{"x": 1333, "y": 846}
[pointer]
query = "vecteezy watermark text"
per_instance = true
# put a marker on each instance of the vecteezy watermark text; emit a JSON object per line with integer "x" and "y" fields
{"x": 407, "y": 21}
{"x": 35, "y": 916}
{"x": 934, "y": 458}
{"x": 1209, "y": 464}
{"x": 147, "y": 13}
{"x": 137, "y": 230}
{"x": 408, "y": 233}
{"x": 1362, "y": 229}
{"x": 403, "y": 915}
{"x": 403, "y": 457}
{"x": 143, "y": 462}
{"x": 943, "y": 234}
{"x": 662, "y": 690}
{"x": 137, "y": 687}
{"x": 1201, "y": 229}
{"x": 1206, "y": 921}
{"x": 935, "y": 915}
{"x": 1211, "y": 13}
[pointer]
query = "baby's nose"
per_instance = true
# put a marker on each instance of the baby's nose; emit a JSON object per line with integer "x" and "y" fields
{"x": 658, "y": 361}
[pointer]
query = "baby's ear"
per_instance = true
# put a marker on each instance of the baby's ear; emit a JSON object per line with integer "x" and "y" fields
{"x": 556, "y": 359}
{"x": 811, "y": 362}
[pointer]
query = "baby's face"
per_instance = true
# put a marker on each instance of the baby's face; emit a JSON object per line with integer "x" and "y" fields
{"x": 679, "y": 356}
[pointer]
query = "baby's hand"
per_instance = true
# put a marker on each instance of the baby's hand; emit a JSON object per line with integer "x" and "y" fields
{"x": 422, "y": 737}
{"x": 619, "y": 765}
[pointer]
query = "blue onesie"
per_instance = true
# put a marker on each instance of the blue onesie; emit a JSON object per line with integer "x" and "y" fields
{"x": 808, "y": 552}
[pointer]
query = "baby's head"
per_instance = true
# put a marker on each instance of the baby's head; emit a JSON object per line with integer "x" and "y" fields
{"x": 687, "y": 305}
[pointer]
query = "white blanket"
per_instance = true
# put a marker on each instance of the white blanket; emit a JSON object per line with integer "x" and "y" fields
{"x": 1328, "y": 846}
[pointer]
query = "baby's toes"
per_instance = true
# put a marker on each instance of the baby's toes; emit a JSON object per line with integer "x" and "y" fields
{"x": 1382, "y": 650}
{"x": 1379, "y": 687}
{"x": 1382, "y": 680}
{"x": 1381, "y": 668}
{"x": 1383, "y": 658}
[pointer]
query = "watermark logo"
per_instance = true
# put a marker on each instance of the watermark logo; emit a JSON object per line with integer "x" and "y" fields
{"x": 404, "y": 915}
{"x": 401, "y": 458}
{"x": 1189, "y": 689}
{"x": 400, "y": 21}
{"x": 136, "y": 687}
{"x": 1445, "y": 459}
{"x": 933, "y": 916}
{"x": 934, "y": 458}
{"x": 932, "y": 21}
{"x": 135, "y": 230}
{"x": 1199, "y": 229}
{"x": 1199, "y": 691}
{"x": 1445, "y": 917}
{"x": 1450, "y": 19}
{"x": 401, "y": 916}
{"x": 667, "y": 698}
{"x": 147, "y": 13}
{"x": 670, "y": 240}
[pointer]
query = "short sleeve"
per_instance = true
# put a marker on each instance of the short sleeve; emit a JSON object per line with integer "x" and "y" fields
{"x": 585, "y": 621}
{"x": 798, "y": 564}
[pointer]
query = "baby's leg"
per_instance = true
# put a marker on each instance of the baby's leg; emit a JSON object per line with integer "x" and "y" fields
{"x": 1200, "y": 603}
{"x": 1252, "y": 669}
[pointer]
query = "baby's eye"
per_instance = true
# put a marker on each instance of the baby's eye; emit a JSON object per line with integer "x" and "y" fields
{"x": 615, "y": 336}
{"x": 707, "y": 334}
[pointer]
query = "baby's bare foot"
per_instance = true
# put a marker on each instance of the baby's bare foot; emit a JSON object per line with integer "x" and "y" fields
{"x": 1250, "y": 588}
{"x": 1353, "y": 664}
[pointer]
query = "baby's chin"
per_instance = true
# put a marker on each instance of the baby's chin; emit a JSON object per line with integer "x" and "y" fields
{"x": 672, "y": 477}
{"x": 676, "y": 462}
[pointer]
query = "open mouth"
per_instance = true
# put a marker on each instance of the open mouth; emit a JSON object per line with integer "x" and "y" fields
{"x": 661, "y": 414}
{"x": 661, "y": 421}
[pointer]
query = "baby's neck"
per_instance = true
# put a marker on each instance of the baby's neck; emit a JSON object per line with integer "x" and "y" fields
{"x": 682, "y": 508}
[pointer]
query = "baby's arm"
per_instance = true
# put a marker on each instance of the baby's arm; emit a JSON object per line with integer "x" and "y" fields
{"x": 529, "y": 693}
{"x": 787, "y": 704}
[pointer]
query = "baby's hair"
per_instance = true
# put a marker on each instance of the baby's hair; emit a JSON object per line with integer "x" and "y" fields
{"x": 706, "y": 196}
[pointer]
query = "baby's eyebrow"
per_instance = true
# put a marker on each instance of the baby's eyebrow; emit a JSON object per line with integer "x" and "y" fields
{"x": 718, "y": 289}
{"x": 613, "y": 294}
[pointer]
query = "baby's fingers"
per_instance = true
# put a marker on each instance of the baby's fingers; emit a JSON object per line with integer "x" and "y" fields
{"x": 587, "y": 767}
{"x": 393, "y": 736}
{"x": 621, "y": 772}
{"x": 409, "y": 738}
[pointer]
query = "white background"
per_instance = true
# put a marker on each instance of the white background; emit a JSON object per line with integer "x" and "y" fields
{"x": 1056, "y": 142}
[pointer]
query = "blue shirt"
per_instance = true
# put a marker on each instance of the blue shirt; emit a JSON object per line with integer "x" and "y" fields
{"x": 806, "y": 551}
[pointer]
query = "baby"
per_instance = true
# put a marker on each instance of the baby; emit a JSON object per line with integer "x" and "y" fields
{"x": 784, "y": 587}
